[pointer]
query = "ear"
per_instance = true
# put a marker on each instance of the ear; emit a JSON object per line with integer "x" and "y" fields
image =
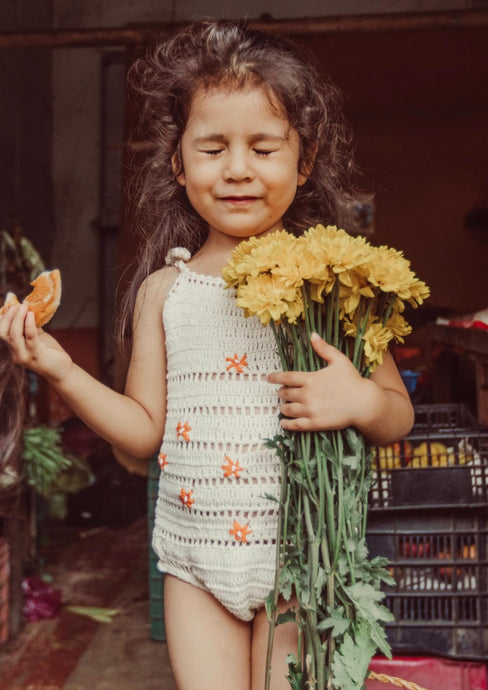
{"x": 177, "y": 166}
{"x": 306, "y": 166}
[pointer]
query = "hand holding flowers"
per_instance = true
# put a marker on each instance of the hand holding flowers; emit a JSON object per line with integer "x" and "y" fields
{"x": 337, "y": 396}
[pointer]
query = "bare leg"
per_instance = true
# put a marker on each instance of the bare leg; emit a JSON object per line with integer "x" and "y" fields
{"x": 209, "y": 648}
{"x": 285, "y": 642}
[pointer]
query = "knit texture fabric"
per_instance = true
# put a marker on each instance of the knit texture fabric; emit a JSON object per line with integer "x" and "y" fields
{"x": 216, "y": 520}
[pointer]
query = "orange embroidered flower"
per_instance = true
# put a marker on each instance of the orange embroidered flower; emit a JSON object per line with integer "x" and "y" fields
{"x": 240, "y": 532}
{"x": 232, "y": 467}
{"x": 162, "y": 462}
{"x": 186, "y": 498}
{"x": 236, "y": 363}
{"x": 182, "y": 431}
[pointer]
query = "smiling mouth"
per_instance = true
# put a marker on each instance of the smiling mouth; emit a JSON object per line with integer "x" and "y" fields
{"x": 239, "y": 199}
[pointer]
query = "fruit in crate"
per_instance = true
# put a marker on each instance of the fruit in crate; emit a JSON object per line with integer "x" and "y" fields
{"x": 393, "y": 456}
{"x": 433, "y": 454}
{"x": 387, "y": 458}
{"x": 44, "y": 298}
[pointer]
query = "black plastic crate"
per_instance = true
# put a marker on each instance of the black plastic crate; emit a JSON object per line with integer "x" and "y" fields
{"x": 438, "y": 559}
{"x": 444, "y": 417}
{"x": 157, "y": 629}
{"x": 442, "y": 462}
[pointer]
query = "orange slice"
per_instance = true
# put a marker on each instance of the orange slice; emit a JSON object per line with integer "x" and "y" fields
{"x": 44, "y": 298}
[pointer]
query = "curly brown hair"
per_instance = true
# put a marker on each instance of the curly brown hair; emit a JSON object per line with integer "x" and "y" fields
{"x": 225, "y": 53}
{"x": 12, "y": 383}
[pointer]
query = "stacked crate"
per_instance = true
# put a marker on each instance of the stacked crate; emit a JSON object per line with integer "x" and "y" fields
{"x": 156, "y": 578}
{"x": 428, "y": 517}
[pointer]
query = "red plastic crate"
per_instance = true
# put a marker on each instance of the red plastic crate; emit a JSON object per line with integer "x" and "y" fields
{"x": 4, "y": 590}
{"x": 431, "y": 673}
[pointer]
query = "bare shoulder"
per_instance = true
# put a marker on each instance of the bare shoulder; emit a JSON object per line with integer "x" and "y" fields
{"x": 155, "y": 288}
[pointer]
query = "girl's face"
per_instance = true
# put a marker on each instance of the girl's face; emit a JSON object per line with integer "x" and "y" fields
{"x": 240, "y": 162}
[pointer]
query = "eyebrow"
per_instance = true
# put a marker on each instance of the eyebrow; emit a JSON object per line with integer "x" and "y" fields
{"x": 255, "y": 138}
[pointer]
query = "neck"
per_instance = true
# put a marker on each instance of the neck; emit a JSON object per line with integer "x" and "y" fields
{"x": 213, "y": 255}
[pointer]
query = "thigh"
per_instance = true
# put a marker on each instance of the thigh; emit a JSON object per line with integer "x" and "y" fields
{"x": 208, "y": 647}
{"x": 285, "y": 642}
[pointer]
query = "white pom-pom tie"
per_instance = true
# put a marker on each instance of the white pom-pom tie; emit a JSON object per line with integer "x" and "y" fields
{"x": 177, "y": 254}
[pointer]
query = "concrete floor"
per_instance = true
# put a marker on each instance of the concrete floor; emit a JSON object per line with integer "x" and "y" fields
{"x": 105, "y": 567}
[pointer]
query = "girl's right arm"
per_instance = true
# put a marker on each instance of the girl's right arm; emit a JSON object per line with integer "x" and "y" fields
{"x": 132, "y": 421}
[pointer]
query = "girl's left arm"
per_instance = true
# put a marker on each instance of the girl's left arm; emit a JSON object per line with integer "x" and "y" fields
{"x": 338, "y": 396}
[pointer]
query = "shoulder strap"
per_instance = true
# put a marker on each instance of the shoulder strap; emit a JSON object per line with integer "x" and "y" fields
{"x": 178, "y": 256}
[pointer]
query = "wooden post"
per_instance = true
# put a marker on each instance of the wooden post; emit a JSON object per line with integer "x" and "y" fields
{"x": 144, "y": 33}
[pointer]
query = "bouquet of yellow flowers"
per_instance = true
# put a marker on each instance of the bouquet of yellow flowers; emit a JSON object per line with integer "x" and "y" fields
{"x": 352, "y": 294}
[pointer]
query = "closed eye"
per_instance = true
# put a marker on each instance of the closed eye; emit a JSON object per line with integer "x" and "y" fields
{"x": 263, "y": 152}
{"x": 212, "y": 152}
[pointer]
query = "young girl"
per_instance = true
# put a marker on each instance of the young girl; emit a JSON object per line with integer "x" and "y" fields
{"x": 246, "y": 140}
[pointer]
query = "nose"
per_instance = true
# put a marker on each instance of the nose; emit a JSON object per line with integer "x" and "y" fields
{"x": 238, "y": 165}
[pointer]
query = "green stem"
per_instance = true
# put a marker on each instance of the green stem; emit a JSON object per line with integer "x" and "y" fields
{"x": 339, "y": 498}
{"x": 280, "y": 552}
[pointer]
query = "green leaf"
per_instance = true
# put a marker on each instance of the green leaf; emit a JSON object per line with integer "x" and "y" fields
{"x": 351, "y": 660}
{"x": 351, "y": 461}
{"x": 378, "y": 636}
{"x": 354, "y": 440}
{"x": 100, "y": 615}
{"x": 286, "y": 582}
{"x": 336, "y": 623}
{"x": 365, "y": 598}
{"x": 326, "y": 445}
{"x": 289, "y": 616}
{"x": 295, "y": 676}
{"x": 270, "y": 497}
{"x": 361, "y": 550}
{"x": 320, "y": 582}
{"x": 378, "y": 571}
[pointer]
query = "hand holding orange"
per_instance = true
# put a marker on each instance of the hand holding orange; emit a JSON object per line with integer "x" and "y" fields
{"x": 43, "y": 300}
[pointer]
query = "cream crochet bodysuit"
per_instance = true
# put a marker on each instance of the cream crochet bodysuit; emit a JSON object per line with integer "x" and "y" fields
{"x": 215, "y": 526}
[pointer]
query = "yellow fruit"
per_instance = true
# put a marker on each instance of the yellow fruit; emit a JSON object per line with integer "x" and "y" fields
{"x": 433, "y": 454}
{"x": 387, "y": 458}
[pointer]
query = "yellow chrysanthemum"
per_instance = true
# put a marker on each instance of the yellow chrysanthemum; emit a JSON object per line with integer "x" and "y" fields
{"x": 376, "y": 339}
{"x": 270, "y": 252}
{"x": 314, "y": 271}
{"x": 288, "y": 270}
{"x": 349, "y": 327}
{"x": 353, "y": 287}
{"x": 398, "y": 326}
{"x": 295, "y": 309}
{"x": 390, "y": 271}
{"x": 235, "y": 270}
{"x": 419, "y": 292}
{"x": 335, "y": 248}
{"x": 266, "y": 297}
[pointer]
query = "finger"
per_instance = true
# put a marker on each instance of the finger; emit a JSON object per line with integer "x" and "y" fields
{"x": 290, "y": 394}
{"x": 16, "y": 337}
{"x": 323, "y": 348}
{"x": 296, "y": 424}
{"x": 16, "y": 330}
{"x": 6, "y": 321}
{"x": 289, "y": 379}
{"x": 30, "y": 329}
{"x": 293, "y": 410}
